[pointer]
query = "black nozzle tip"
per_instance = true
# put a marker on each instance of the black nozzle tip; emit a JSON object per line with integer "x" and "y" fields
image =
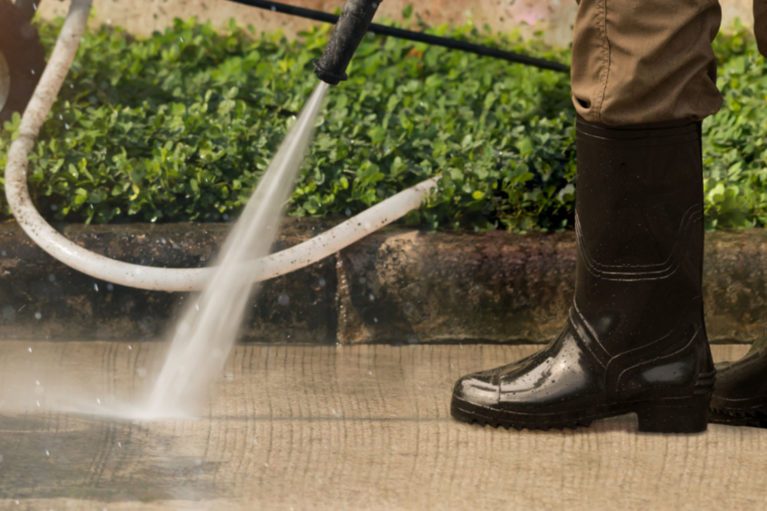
{"x": 327, "y": 76}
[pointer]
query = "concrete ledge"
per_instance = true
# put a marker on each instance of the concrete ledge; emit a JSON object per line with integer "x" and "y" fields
{"x": 396, "y": 286}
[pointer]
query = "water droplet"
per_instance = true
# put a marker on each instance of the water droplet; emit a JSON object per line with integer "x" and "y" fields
{"x": 66, "y": 125}
{"x": 37, "y": 382}
{"x": 47, "y": 452}
{"x": 119, "y": 444}
{"x": 98, "y": 401}
{"x": 370, "y": 373}
{"x": 371, "y": 297}
{"x": 51, "y": 277}
{"x": 32, "y": 71}
{"x": 54, "y": 207}
{"x": 181, "y": 39}
{"x": 96, "y": 287}
{"x": 322, "y": 282}
{"x": 8, "y": 313}
{"x": 130, "y": 347}
{"x": 283, "y": 299}
{"x": 110, "y": 287}
{"x": 29, "y": 349}
{"x": 38, "y": 315}
{"x": 348, "y": 212}
{"x": 375, "y": 320}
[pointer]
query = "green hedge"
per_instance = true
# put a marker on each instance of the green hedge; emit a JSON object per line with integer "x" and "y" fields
{"x": 735, "y": 139}
{"x": 180, "y": 126}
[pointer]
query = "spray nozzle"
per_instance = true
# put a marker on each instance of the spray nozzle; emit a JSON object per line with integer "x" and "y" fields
{"x": 351, "y": 27}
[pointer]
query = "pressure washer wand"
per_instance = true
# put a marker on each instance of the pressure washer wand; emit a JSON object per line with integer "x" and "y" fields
{"x": 349, "y": 31}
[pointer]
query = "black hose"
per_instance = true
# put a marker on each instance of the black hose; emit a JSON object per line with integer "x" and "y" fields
{"x": 411, "y": 35}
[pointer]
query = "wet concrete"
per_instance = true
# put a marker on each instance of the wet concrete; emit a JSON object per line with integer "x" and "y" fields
{"x": 351, "y": 427}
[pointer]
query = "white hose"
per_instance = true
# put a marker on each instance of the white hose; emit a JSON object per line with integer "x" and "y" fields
{"x": 149, "y": 277}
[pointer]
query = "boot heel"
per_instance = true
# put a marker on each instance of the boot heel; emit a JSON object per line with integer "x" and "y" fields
{"x": 685, "y": 415}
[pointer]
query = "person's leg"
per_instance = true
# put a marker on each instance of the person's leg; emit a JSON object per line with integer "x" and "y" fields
{"x": 635, "y": 341}
{"x": 760, "y": 25}
{"x": 740, "y": 392}
{"x": 642, "y": 62}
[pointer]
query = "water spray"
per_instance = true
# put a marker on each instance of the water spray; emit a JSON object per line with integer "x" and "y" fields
{"x": 334, "y": 62}
{"x": 207, "y": 330}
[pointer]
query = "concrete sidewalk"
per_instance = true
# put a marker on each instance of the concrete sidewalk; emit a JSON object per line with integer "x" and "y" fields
{"x": 348, "y": 427}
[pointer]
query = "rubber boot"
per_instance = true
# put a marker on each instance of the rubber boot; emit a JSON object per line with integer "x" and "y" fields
{"x": 635, "y": 339}
{"x": 740, "y": 392}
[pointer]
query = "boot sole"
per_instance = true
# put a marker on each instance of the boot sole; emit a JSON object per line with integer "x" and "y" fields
{"x": 755, "y": 418}
{"x": 668, "y": 415}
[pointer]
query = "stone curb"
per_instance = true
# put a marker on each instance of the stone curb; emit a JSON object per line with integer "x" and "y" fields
{"x": 395, "y": 286}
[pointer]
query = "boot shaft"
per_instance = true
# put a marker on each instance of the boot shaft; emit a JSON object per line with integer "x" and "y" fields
{"x": 639, "y": 225}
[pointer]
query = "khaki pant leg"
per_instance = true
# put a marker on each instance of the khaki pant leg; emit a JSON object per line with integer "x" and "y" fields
{"x": 760, "y": 25}
{"x": 645, "y": 61}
